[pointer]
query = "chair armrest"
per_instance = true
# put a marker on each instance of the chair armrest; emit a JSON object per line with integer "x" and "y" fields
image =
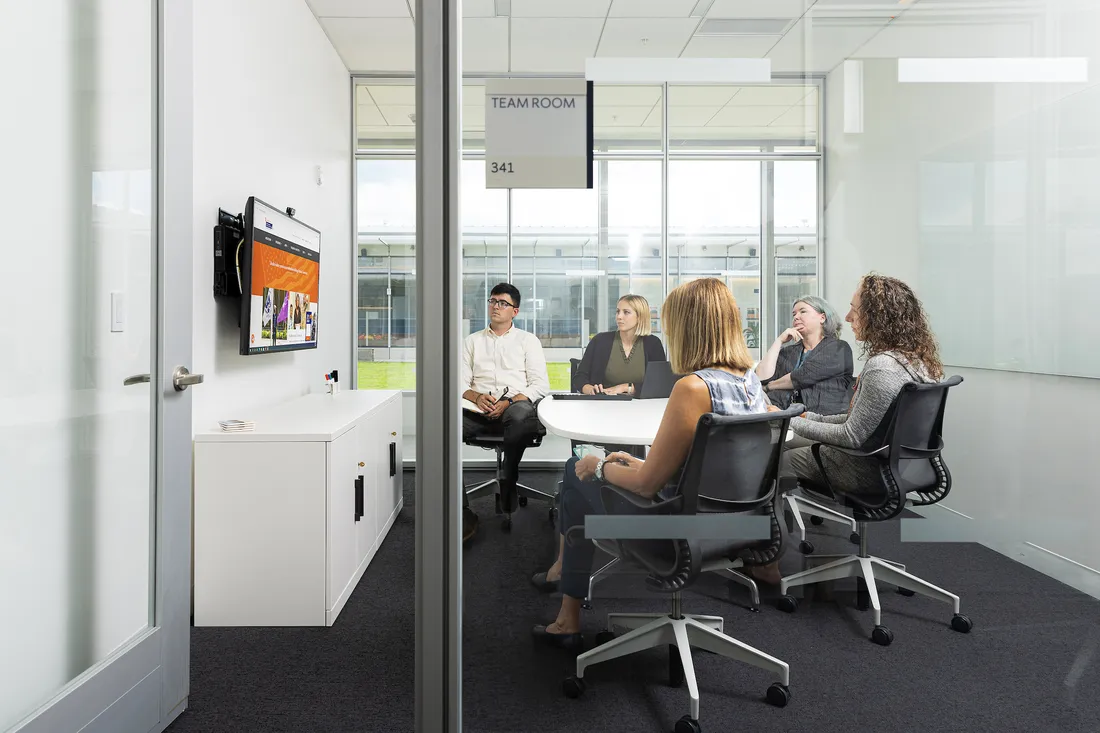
{"x": 860, "y": 453}
{"x": 611, "y": 494}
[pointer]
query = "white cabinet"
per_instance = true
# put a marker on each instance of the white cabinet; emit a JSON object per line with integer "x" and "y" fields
{"x": 288, "y": 517}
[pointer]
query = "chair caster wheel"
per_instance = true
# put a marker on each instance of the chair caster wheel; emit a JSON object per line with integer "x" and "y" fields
{"x": 523, "y": 501}
{"x": 506, "y": 525}
{"x": 573, "y": 687}
{"x": 778, "y": 695}
{"x": 882, "y": 636}
{"x": 906, "y": 592}
{"x": 687, "y": 724}
{"x": 553, "y": 515}
{"x": 854, "y": 538}
{"x": 675, "y": 667}
{"x": 586, "y": 605}
{"x": 961, "y": 623}
{"x": 817, "y": 521}
{"x": 604, "y": 636}
{"x": 806, "y": 547}
{"x": 787, "y": 604}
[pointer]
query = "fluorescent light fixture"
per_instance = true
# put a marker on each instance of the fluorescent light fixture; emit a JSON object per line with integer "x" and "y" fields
{"x": 853, "y": 96}
{"x": 994, "y": 71}
{"x": 585, "y": 273}
{"x": 701, "y": 9}
{"x": 683, "y": 71}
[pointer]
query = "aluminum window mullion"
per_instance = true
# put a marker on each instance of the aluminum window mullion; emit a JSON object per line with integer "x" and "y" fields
{"x": 664, "y": 190}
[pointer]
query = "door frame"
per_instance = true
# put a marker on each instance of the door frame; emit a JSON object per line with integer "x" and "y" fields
{"x": 143, "y": 686}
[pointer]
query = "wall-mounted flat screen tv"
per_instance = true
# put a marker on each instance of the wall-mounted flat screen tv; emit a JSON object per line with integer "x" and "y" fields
{"x": 280, "y": 274}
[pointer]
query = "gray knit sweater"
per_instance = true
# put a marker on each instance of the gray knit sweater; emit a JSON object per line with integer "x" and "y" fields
{"x": 862, "y": 426}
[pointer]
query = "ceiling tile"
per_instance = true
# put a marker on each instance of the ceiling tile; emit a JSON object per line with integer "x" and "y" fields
{"x": 484, "y": 44}
{"x": 553, "y": 44}
{"x": 666, "y": 37}
{"x": 360, "y": 8}
{"x": 398, "y": 116}
{"x": 699, "y": 96}
{"x": 690, "y": 116}
{"x": 742, "y": 116}
{"x": 802, "y": 117}
{"x": 560, "y": 8}
{"x": 759, "y": 8}
{"x": 403, "y": 95}
{"x": 777, "y": 96}
{"x": 479, "y": 9}
{"x": 473, "y": 117}
{"x": 473, "y": 95}
{"x": 620, "y": 116}
{"x": 730, "y": 47}
{"x": 368, "y": 114}
{"x": 922, "y": 36}
{"x": 377, "y": 44}
{"x": 651, "y": 8}
{"x": 625, "y": 96}
{"x": 819, "y": 46}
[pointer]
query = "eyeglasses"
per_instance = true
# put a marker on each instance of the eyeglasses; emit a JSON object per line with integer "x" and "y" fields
{"x": 494, "y": 303}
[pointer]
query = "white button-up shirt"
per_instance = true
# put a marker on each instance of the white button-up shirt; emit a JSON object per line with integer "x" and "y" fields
{"x": 515, "y": 360}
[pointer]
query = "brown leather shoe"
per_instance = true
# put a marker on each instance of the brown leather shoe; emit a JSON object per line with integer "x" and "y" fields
{"x": 469, "y": 523}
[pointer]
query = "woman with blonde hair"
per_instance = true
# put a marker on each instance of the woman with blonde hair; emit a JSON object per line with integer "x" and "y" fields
{"x": 702, "y": 325}
{"x": 612, "y": 363}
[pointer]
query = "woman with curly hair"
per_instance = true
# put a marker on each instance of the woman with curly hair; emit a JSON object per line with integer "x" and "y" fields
{"x": 889, "y": 320}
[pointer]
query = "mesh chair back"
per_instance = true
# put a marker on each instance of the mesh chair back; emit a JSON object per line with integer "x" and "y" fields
{"x": 916, "y": 435}
{"x": 573, "y": 365}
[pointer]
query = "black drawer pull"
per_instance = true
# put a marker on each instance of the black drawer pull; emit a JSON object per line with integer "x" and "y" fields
{"x": 358, "y": 498}
{"x": 393, "y": 459}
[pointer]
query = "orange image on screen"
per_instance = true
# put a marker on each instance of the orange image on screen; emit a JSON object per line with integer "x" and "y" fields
{"x": 274, "y": 268}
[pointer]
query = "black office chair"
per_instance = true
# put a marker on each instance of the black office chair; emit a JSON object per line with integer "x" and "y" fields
{"x": 492, "y": 486}
{"x": 732, "y": 468}
{"x": 910, "y": 464}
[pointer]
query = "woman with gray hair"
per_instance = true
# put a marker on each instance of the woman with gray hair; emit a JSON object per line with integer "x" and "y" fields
{"x": 809, "y": 363}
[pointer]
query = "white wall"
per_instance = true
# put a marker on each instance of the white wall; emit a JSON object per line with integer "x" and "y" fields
{"x": 898, "y": 200}
{"x": 76, "y": 146}
{"x": 272, "y": 102}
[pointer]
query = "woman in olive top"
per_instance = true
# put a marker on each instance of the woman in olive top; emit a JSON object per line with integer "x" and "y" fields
{"x": 808, "y": 363}
{"x": 614, "y": 362}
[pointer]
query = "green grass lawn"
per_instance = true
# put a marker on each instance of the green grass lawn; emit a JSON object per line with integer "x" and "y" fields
{"x": 402, "y": 375}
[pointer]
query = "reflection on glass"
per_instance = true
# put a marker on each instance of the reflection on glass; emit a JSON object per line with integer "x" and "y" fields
{"x": 795, "y": 216}
{"x": 76, "y": 501}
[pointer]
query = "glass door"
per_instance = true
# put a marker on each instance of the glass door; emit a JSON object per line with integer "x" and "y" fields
{"x": 95, "y": 430}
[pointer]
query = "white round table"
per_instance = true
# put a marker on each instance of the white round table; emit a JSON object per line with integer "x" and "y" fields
{"x": 622, "y": 422}
{"x": 619, "y": 422}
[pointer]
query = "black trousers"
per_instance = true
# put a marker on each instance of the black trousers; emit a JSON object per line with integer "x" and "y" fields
{"x": 518, "y": 425}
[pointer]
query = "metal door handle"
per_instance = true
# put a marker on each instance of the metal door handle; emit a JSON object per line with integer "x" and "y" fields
{"x": 182, "y": 379}
{"x": 136, "y": 379}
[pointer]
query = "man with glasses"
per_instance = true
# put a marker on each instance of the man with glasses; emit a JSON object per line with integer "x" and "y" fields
{"x": 504, "y": 375}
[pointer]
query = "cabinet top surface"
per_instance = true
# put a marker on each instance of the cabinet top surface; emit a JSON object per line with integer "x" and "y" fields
{"x": 312, "y": 417}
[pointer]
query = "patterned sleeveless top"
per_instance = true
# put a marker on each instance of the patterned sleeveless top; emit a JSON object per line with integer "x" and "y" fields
{"x": 733, "y": 395}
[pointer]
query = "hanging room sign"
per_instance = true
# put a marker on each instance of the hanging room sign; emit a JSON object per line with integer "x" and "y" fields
{"x": 538, "y": 133}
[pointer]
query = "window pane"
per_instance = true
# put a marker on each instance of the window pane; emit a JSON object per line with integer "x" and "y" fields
{"x": 555, "y": 245}
{"x": 632, "y": 246}
{"x": 795, "y": 211}
{"x": 714, "y": 230}
{"x": 742, "y": 118}
{"x": 386, "y": 313}
{"x": 484, "y": 243}
{"x": 626, "y": 118}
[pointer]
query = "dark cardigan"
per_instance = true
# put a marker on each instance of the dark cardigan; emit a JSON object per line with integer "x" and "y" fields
{"x": 594, "y": 363}
{"x": 823, "y": 382}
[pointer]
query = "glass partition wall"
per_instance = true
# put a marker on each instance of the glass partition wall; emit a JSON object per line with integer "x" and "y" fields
{"x": 690, "y": 181}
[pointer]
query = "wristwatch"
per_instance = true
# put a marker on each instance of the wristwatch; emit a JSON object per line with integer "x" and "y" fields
{"x": 599, "y": 469}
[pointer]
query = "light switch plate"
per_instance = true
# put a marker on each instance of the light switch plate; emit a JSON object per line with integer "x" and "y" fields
{"x": 118, "y": 313}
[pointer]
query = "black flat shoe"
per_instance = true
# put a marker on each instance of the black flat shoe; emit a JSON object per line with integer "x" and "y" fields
{"x": 571, "y": 642}
{"x": 545, "y": 586}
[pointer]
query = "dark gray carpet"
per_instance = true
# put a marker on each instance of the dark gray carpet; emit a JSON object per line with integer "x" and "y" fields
{"x": 1032, "y": 662}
